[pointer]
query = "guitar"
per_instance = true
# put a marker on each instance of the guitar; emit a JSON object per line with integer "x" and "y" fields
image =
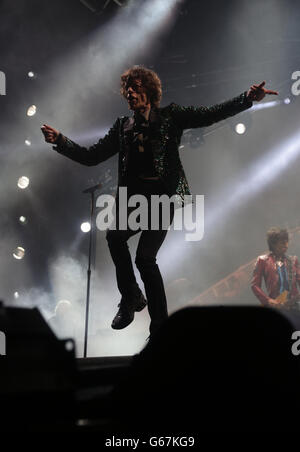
{"x": 283, "y": 297}
{"x": 284, "y": 302}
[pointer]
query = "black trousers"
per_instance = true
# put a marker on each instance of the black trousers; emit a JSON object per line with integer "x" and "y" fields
{"x": 149, "y": 243}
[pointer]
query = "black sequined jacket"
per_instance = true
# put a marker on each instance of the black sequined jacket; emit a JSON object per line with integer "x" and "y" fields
{"x": 166, "y": 128}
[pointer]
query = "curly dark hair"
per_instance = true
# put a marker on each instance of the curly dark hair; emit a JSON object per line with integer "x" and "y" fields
{"x": 275, "y": 235}
{"x": 150, "y": 81}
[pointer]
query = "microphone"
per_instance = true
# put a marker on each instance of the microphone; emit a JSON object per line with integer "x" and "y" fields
{"x": 92, "y": 189}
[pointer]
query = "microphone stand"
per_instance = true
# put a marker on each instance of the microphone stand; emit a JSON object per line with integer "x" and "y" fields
{"x": 90, "y": 190}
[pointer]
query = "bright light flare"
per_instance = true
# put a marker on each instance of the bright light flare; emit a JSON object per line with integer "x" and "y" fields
{"x": 85, "y": 227}
{"x": 23, "y": 182}
{"x": 264, "y": 105}
{"x": 240, "y": 128}
{"x": 31, "y": 111}
{"x": 19, "y": 253}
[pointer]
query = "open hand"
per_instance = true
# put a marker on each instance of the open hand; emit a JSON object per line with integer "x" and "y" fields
{"x": 50, "y": 134}
{"x": 258, "y": 92}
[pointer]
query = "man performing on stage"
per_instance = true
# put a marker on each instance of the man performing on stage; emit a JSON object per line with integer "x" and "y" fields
{"x": 149, "y": 163}
{"x": 281, "y": 273}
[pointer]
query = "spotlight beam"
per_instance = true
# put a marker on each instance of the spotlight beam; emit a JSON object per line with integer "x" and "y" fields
{"x": 249, "y": 183}
{"x": 253, "y": 180}
{"x": 98, "y": 62}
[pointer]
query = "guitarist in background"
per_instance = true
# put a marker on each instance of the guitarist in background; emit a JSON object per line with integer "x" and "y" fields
{"x": 280, "y": 272}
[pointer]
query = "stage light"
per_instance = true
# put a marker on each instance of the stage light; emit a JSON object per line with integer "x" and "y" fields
{"x": 31, "y": 74}
{"x": 16, "y": 295}
{"x": 23, "y": 182}
{"x": 28, "y": 142}
{"x": 22, "y": 219}
{"x": 31, "y": 111}
{"x": 240, "y": 128}
{"x": 241, "y": 125}
{"x": 287, "y": 101}
{"x": 19, "y": 253}
{"x": 85, "y": 227}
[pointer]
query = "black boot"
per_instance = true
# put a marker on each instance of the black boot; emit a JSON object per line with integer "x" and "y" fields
{"x": 127, "y": 308}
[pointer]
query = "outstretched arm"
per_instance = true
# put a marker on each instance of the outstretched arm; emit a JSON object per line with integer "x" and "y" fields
{"x": 191, "y": 117}
{"x": 99, "y": 152}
